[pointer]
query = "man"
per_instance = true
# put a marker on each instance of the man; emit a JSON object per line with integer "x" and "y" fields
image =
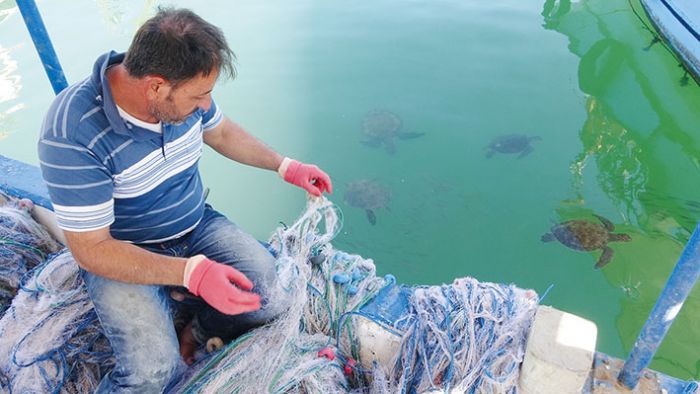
{"x": 119, "y": 152}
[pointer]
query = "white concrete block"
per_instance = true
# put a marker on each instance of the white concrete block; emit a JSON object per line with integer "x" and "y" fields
{"x": 376, "y": 343}
{"x": 559, "y": 353}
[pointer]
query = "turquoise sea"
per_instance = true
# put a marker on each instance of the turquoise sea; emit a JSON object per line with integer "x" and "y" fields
{"x": 615, "y": 116}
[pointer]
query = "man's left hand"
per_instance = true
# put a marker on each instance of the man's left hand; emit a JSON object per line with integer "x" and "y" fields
{"x": 307, "y": 176}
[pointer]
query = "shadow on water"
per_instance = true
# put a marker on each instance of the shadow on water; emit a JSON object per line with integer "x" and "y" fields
{"x": 640, "y": 143}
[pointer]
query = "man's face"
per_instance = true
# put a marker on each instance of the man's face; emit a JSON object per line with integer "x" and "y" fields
{"x": 174, "y": 105}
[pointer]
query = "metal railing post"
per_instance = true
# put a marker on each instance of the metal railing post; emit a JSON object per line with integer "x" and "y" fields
{"x": 678, "y": 287}
{"x": 42, "y": 42}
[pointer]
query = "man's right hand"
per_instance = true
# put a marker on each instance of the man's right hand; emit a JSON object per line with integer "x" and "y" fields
{"x": 223, "y": 287}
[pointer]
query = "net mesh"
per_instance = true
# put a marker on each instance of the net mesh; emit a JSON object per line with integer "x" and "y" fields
{"x": 467, "y": 336}
{"x": 23, "y": 245}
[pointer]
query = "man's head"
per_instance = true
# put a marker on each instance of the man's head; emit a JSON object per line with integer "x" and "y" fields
{"x": 179, "y": 56}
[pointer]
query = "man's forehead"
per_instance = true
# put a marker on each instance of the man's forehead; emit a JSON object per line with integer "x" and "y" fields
{"x": 201, "y": 84}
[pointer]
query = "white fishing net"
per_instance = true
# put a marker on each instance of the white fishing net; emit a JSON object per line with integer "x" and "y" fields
{"x": 468, "y": 336}
{"x": 50, "y": 338}
{"x": 46, "y": 333}
{"x": 23, "y": 245}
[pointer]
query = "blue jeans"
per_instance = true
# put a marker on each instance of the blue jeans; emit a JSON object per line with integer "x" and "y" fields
{"x": 138, "y": 319}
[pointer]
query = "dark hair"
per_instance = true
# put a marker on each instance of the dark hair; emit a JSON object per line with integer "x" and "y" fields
{"x": 178, "y": 45}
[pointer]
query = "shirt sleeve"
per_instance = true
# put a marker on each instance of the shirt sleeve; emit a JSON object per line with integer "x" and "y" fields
{"x": 80, "y": 185}
{"x": 211, "y": 118}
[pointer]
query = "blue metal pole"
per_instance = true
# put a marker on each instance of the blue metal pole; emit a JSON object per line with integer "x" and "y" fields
{"x": 43, "y": 45}
{"x": 679, "y": 285}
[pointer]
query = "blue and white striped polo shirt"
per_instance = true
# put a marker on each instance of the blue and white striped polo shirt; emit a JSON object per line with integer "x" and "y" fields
{"x": 104, "y": 171}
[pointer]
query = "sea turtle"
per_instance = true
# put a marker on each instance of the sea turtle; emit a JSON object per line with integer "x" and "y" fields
{"x": 367, "y": 195}
{"x": 585, "y": 235}
{"x": 512, "y": 143}
{"x": 380, "y": 127}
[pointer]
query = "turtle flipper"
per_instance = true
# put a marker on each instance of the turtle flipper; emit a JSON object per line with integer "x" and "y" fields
{"x": 604, "y": 258}
{"x": 549, "y": 237}
{"x": 372, "y": 143}
{"x": 371, "y": 216}
{"x": 407, "y": 136}
{"x": 608, "y": 224}
{"x": 526, "y": 152}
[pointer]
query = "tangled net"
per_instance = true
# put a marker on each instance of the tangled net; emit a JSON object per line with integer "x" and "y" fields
{"x": 50, "y": 338}
{"x": 467, "y": 336}
{"x": 23, "y": 245}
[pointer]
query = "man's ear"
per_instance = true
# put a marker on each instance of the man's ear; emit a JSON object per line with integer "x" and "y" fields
{"x": 154, "y": 84}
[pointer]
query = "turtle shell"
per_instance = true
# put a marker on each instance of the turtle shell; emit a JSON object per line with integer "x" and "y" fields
{"x": 511, "y": 143}
{"x": 381, "y": 124}
{"x": 581, "y": 234}
{"x": 366, "y": 194}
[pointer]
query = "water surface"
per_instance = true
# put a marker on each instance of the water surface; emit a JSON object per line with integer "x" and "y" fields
{"x": 618, "y": 123}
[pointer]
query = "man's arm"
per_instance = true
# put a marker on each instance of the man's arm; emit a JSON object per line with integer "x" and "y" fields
{"x": 97, "y": 252}
{"x": 232, "y": 141}
{"x": 223, "y": 287}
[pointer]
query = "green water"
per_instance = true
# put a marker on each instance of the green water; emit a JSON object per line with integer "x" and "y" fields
{"x": 619, "y": 133}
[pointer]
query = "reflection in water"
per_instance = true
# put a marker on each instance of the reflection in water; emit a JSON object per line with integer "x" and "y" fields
{"x": 553, "y": 10}
{"x": 122, "y": 17}
{"x": 616, "y": 150}
{"x": 631, "y": 288}
{"x": 9, "y": 81}
{"x": 10, "y": 86}
{"x": 635, "y": 116}
{"x": 641, "y": 134}
{"x": 7, "y": 8}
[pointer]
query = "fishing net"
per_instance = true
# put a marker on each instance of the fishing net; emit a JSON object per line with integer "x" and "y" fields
{"x": 468, "y": 336}
{"x": 50, "y": 338}
{"x": 40, "y": 332}
{"x": 23, "y": 245}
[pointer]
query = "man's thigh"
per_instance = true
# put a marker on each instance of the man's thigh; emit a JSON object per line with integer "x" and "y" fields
{"x": 225, "y": 242}
{"x": 137, "y": 321}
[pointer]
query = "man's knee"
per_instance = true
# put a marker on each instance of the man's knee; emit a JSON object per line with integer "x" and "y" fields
{"x": 157, "y": 378}
{"x": 274, "y": 300}
{"x": 211, "y": 323}
{"x": 153, "y": 374}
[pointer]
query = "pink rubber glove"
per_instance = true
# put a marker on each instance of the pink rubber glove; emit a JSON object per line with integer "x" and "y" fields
{"x": 307, "y": 176}
{"x": 220, "y": 286}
